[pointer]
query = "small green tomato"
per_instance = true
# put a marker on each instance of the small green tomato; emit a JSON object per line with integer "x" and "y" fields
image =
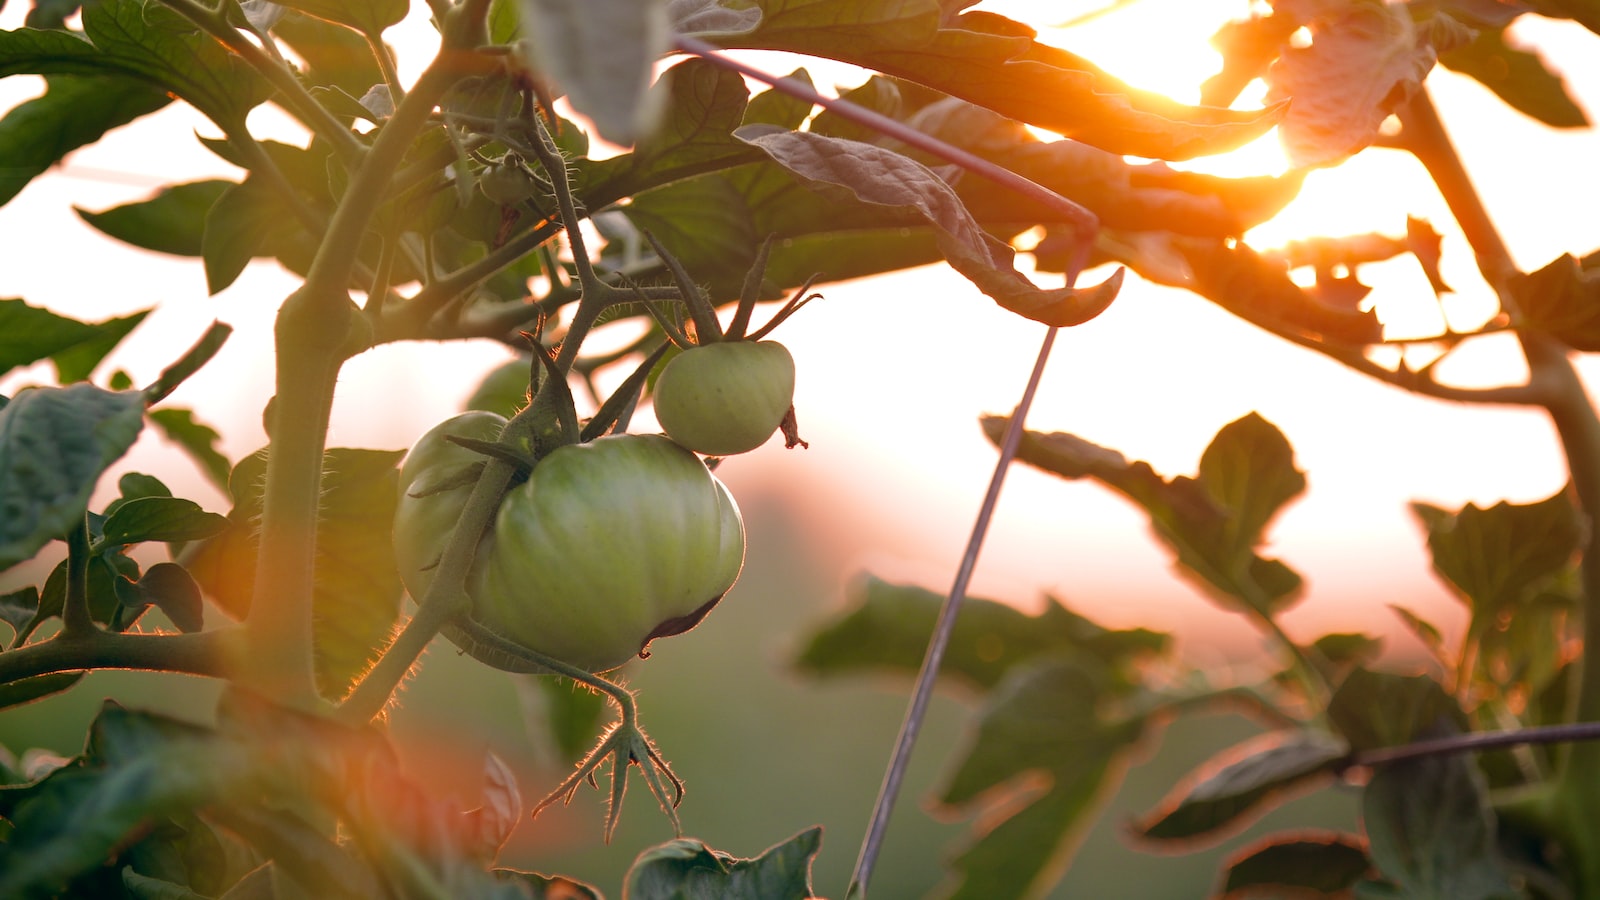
{"x": 725, "y": 398}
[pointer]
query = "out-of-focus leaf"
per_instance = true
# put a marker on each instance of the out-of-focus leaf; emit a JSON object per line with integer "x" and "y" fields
{"x": 1123, "y": 195}
{"x": 1043, "y": 752}
{"x": 549, "y": 887}
{"x": 600, "y": 52}
{"x": 686, "y": 868}
{"x": 54, "y": 443}
{"x": 994, "y": 62}
{"x": 560, "y": 716}
{"x": 774, "y": 107}
{"x": 504, "y": 390}
{"x": 1426, "y": 245}
{"x": 1381, "y": 709}
{"x": 1214, "y": 521}
{"x": 366, "y": 16}
{"x": 18, "y": 607}
{"x": 51, "y": 13}
{"x": 1425, "y": 631}
{"x": 1248, "y": 47}
{"x": 865, "y": 173}
{"x": 143, "y": 887}
{"x": 1366, "y": 58}
{"x": 1286, "y": 866}
{"x": 1259, "y": 290}
{"x": 250, "y": 219}
{"x": 159, "y": 46}
{"x": 172, "y": 221}
{"x": 1494, "y": 557}
{"x": 27, "y": 690}
{"x": 889, "y": 625}
{"x": 1348, "y": 648}
{"x": 1431, "y": 834}
{"x": 1219, "y": 797}
{"x": 75, "y": 110}
{"x": 195, "y": 438}
{"x": 1561, "y": 300}
{"x": 1517, "y": 76}
{"x": 29, "y": 334}
{"x": 701, "y": 106}
{"x": 704, "y": 18}
{"x": 502, "y": 809}
{"x": 337, "y": 57}
{"x": 358, "y": 590}
{"x": 1585, "y": 12}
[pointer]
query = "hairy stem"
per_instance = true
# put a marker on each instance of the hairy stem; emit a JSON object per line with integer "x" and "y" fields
{"x": 76, "y": 621}
{"x": 446, "y": 598}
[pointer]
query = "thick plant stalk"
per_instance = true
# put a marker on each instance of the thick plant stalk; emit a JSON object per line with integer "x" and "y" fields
{"x": 1562, "y": 394}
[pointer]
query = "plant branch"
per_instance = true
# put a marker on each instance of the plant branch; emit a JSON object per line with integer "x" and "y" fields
{"x": 1479, "y": 742}
{"x": 206, "y": 653}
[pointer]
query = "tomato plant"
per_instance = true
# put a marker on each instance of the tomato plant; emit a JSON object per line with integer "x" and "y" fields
{"x": 466, "y": 203}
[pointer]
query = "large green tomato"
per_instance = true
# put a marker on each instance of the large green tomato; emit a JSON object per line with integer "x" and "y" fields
{"x": 725, "y": 398}
{"x": 435, "y": 482}
{"x": 607, "y": 546}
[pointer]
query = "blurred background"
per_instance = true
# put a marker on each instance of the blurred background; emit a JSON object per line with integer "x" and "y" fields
{"x": 893, "y": 374}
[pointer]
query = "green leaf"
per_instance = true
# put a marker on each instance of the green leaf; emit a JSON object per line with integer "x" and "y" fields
{"x": 196, "y": 439}
{"x": 338, "y": 58}
{"x": 1561, "y": 300}
{"x": 563, "y": 711}
{"x": 993, "y": 62}
{"x": 1495, "y": 557}
{"x": 1431, "y": 833}
{"x": 1517, "y": 76}
{"x": 1365, "y": 59}
{"x": 1380, "y": 709}
{"x": 173, "y": 221}
{"x": 75, "y": 110}
{"x": 77, "y": 362}
{"x": 358, "y": 591}
{"x": 854, "y": 172}
{"x": 504, "y": 390}
{"x": 1222, "y": 797}
{"x": 51, "y": 13}
{"x": 161, "y": 519}
{"x": 27, "y": 690}
{"x": 1287, "y": 865}
{"x": 143, "y": 887}
{"x": 600, "y": 53}
{"x": 18, "y": 607}
{"x": 1040, "y": 731}
{"x": 889, "y": 625}
{"x": 1214, "y": 521}
{"x": 366, "y": 16}
{"x": 249, "y": 220}
{"x": 157, "y": 45}
{"x": 1425, "y": 631}
{"x": 549, "y": 887}
{"x": 1238, "y": 279}
{"x": 54, "y": 443}
{"x": 29, "y": 334}
{"x": 170, "y": 587}
{"x": 686, "y": 869}
{"x": 1348, "y": 648}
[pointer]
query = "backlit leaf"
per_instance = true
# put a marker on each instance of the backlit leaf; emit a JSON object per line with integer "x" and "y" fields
{"x": 600, "y": 52}
{"x": 29, "y": 334}
{"x": 75, "y": 110}
{"x": 54, "y": 443}
{"x": 1561, "y": 300}
{"x": 366, "y": 16}
{"x": 172, "y": 221}
{"x": 1495, "y": 556}
{"x": 1365, "y": 59}
{"x": 889, "y": 625}
{"x": 161, "y": 519}
{"x": 358, "y": 590}
{"x": 865, "y": 173}
{"x": 195, "y": 438}
{"x": 1259, "y": 290}
{"x": 170, "y": 588}
{"x": 1517, "y": 76}
{"x": 994, "y": 62}
{"x": 1221, "y": 796}
{"x": 27, "y": 690}
{"x": 686, "y": 869}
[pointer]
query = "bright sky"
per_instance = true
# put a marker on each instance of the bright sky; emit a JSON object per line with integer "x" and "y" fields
{"x": 895, "y": 370}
